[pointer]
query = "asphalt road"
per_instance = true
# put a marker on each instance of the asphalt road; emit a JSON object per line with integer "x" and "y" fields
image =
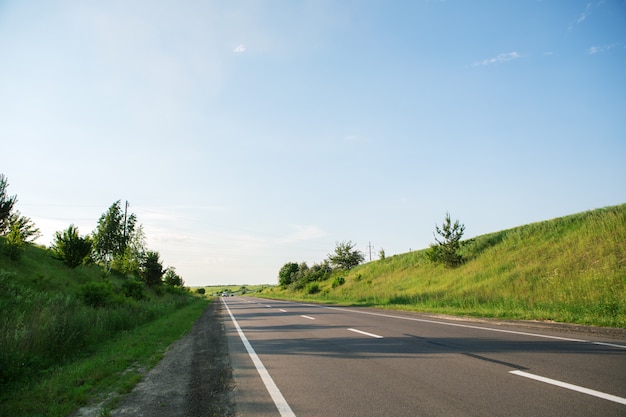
{"x": 293, "y": 359}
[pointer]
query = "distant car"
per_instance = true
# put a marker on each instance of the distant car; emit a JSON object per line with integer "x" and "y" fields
{"x": 224, "y": 294}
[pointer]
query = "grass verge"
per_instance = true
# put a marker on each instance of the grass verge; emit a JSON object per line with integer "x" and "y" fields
{"x": 570, "y": 269}
{"x": 113, "y": 368}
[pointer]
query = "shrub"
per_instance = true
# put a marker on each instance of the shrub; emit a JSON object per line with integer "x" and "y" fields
{"x": 134, "y": 289}
{"x": 70, "y": 247}
{"x": 97, "y": 294}
{"x": 313, "y": 288}
{"x": 15, "y": 243}
{"x": 201, "y": 291}
{"x": 338, "y": 281}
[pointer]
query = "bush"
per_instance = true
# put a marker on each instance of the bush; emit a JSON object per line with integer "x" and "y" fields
{"x": 70, "y": 247}
{"x": 14, "y": 243}
{"x": 338, "y": 281}
{"x": 97, "y": 294}
{"x": 201, "y": 291}
{"x": 134, "y": 289}
{"x": 313, "y": 288}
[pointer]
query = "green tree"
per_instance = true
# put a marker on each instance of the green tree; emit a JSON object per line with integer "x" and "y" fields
{"x": 152, "y": 269}
{"x": 14, "y": 242}
{"x": 345, "y": 256}
{"x": 6, "y": 205}
{"x": 25, "y": 225}
{"x": 136, "y": 247}
{"x": 70, "y": 247}
{"x": 446, "y": 249}
{"x": 112, "y": 234}
{"x": 287, "y": 273}
{"x": 172, "y": 279}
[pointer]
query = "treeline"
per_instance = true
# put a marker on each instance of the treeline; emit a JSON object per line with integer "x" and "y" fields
{"x": 298, "y": 276}
{"x": 118, "y": 243}
{"x": 65, "y": 301}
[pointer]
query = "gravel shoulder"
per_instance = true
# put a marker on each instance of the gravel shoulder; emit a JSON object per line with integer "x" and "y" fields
{"x": 194, "y": 378}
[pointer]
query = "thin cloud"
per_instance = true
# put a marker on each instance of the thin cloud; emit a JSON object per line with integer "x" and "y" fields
{"x": 584, "y": 14}
{"x": 506, "y": 57}
{"x": 303, "y": 233}
{"x": 599, "y": 49}
{"x": 240, "y": 49}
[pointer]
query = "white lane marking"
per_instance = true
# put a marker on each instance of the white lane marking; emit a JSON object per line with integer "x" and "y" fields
{"x": 467, "y": 326}
{"x": 268, "y": 306}
{"x": 366, "y": 333}
{"x": 284, "y": 311}
{"x": 572, "y": 387}
{"x": 277, "y": 396}
{"x": 609, "y": 344}
{"x": 455, "y": 324}
{"x": 308, "y": 317}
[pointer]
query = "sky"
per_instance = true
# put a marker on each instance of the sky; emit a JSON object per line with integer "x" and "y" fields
{"x": 248, "y": 134}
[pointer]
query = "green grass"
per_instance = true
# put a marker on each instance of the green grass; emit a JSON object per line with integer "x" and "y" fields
{"x": 57, "y": 350}
{"x": 571, "y": 269}
{"x": 114, "y": 366}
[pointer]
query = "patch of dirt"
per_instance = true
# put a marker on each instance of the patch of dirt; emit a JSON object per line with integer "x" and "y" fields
{"x": 194, "y": 378}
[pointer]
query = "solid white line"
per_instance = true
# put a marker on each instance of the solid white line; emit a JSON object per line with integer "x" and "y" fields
{"x": 277, "y": 396}
{"x": 609, "y": 344}
{"x": 308, "y": 317}
{"x": 366, "y": 333}
{"x": 572, "y": 387}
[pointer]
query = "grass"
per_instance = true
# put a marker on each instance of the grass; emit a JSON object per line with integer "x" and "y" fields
{"x": 58, "y": 348}
{"x": 571, "y": 269}
{"x": 115, "y": 366}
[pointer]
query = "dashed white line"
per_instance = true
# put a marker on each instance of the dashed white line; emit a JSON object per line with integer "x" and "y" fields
{"x": 283, "y": 310}
{"x": 308, "y": 317}
{"x": 277, "y": 396}
{"x": 366, "y": 333}
{"x": 572, "y": 387}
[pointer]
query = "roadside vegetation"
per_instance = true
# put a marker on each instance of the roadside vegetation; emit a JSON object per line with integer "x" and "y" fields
{"x": 83, "y": 316}
{"x": 570, "y": 269}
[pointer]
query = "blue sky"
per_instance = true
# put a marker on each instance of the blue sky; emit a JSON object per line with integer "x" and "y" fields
{"x": 248, "y": 134}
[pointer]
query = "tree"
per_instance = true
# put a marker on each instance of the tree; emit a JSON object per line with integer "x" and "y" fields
{"x": 15, "y": 242}
{"x": 446, "y": 250}
{"x": 287, "y": 273}
{"x": 6, "y": 205}
{"x": 345, "y": 257}
{"x": 70, "y": 247}
{"x": 112, "y": 234}
{"x": 172, "y": 279}
{"x": 152, "y": 269}
{"x": 25, "y": 225}
{"x": 136, "y": 247}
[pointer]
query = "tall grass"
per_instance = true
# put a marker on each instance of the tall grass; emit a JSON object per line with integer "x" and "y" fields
{"x": 42, "y": 329}
{"x": 44, "y": 322}
{"x": 571, "y": 269}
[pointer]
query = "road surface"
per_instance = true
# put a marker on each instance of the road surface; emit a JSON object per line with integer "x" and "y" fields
{"x": 293, "y": 359}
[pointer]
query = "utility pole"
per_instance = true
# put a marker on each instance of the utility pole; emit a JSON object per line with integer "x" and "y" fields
{"x": 370, "y": 247}
{"x": 125, "y": 213}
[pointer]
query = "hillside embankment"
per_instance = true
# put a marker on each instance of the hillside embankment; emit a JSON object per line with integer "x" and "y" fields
{"x": 570, "y": 269}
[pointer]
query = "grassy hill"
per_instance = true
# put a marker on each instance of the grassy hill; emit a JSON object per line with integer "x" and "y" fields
{"x": 66, "y": 334}
{"x": 570, "y": 269}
